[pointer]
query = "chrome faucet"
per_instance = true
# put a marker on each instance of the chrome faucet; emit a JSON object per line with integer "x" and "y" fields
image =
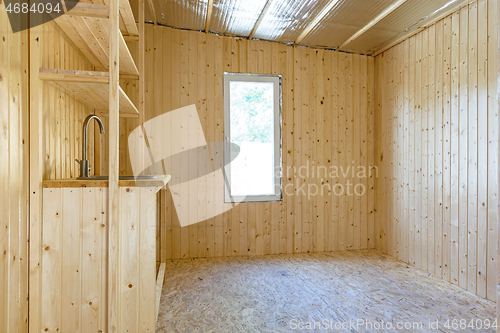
{"x": 84, "y": 163}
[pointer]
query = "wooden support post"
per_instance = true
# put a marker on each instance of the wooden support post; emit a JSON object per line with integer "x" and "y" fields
{"x": 142, "y": 49}
{"x": 114, "y": 191}
{"x": 498, "y": 98}
{"x": 35, "y": 185}
{"x": 142, "y": 71}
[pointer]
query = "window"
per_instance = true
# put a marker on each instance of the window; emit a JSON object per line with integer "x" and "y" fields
{"x": 252, "y": 133}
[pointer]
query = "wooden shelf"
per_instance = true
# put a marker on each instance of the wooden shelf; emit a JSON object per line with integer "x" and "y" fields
{"x": 87, "y": 25}
{"x": 128, "y": 25}
{"x": 90, "y": 88}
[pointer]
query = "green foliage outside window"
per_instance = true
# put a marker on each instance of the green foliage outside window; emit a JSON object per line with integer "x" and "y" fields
{"x": 251, "y": 112}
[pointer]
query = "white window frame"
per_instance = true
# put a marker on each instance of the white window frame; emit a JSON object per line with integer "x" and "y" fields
{"x": 278, "y": 187}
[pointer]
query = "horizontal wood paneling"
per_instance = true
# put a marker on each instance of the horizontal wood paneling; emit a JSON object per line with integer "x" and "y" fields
{"x": 13, "y": 178}
{"x": 328, "y": 120}
{"x": 438, "y": 149}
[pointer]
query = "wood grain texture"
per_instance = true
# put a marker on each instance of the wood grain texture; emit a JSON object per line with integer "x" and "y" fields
{"x": 192, "y": 69}
{"x": 35, "y": 180}
{"x": 75, "y": 259}
{"x": 63, "y": 115}
{"x": 115, "y": 230}
{"x": 453, "y": 137}
{"x": 14, "y": 177}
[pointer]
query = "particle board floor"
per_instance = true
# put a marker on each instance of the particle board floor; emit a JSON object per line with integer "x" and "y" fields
{"x": 277, "y": 293}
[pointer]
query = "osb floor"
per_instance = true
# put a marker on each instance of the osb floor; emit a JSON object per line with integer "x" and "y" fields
{"x": 277, "y": 293}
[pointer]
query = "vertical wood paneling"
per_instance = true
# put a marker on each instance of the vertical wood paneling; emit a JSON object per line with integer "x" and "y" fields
{"x": 334, "y": 234}
{"x": 63, "y": 116}
{"x": 482, "y": 141}
{"x": 74, "y": 260}
{"x": 218, "y": 137}
{"x": 418, "y": 150}
{"x": 342, "y": 152}
{"x": 452, "y": 143}
{"x": 210, "y": 137}
{"x": 446, "y": 149}
{"x": 176, "y": 168}
{"x": 183, "y": 169}
{"x": 61, "y": 126}
{"x": 453, "y": 266}
{"x": 90, "y": 257}
{"x": 165, "y": 233}
{"x": 203, "y": 161}
{"x": 147, "y": 266}
{"x": 129, "y": 259}
{"x": 425, "y": 148}
{"x": 13, "y": 177}
{"x": 373, "y": 172}
{"x": 320, "y": 125}
{"x": 430, "y": 151}
{"x": 472, "y": 151}
{"x": 411, "y": 151}
{"x": 52, "y": 261}
{"x": 297, "y": 153}
{"x": 463, "y": 147}
{"x": 493, "y": 127}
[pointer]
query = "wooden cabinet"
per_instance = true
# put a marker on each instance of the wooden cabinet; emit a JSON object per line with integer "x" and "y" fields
{"x": 74, "y": 259}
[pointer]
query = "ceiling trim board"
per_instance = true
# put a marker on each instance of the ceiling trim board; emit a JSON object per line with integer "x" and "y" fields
{"x": 210, "y": 6}
{"x": 152, "y": 10}
{"x": 424, "y": 25}
{"x": 261, "y": 17}
{"x": 377, "y": 19}
{"x": 316, "y": 20}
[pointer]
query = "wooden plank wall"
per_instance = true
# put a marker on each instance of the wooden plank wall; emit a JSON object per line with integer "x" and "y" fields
{"x": 438, "y": 149}
{"x": 13, "y": 178}
{"x": 61, "y": 127}
{"x": 328, "y": 120}
{"x": 74, "y": 260}
{"x": 63, "y": 116}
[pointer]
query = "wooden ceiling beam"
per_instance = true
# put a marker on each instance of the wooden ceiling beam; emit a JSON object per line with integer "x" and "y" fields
{"x": 210, "y": 6}
{"x": 316, "y": 20}
{"x": 261, "y": 17}
{"x": 377, "y": 19}
{"x": 152, "y": 10}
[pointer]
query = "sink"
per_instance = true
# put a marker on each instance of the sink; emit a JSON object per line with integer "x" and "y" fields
{"x": 124, "y": 178}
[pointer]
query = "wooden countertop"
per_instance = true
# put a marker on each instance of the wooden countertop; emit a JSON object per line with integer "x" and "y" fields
{"x": 160, "y": 182}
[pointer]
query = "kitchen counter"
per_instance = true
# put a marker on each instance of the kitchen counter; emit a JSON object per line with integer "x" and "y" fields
{"x": 157, "y": 181}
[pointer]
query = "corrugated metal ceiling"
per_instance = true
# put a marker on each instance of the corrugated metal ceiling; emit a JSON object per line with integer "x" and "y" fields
{"x": 344, "y": 21}
{"x": 236, "y": 17}
{"x": 184, "y": 14}
{"x": 407, "y": 17}
{"x": 286, "y": 20}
